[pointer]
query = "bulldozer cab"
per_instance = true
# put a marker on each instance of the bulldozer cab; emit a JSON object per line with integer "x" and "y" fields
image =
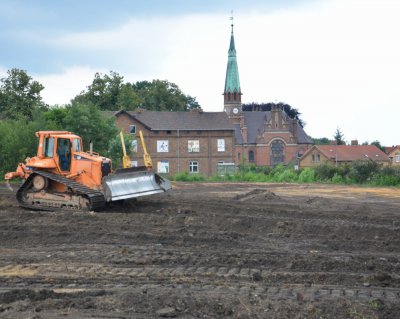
{"x": 64, "y": 153}
{"x": 60, "y": 147}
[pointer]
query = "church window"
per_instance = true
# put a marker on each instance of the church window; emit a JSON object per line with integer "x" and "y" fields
{"x": 234, "y": 96}
{"x": 251, "y": 156}
{"x": 239, "y": 156}
{"x": 277, "y": 152}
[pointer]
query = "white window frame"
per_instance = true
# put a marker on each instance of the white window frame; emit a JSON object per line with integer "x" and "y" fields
{"x": 162, "y": 146}
{"x": 194, "y": 167}
{"x": 221, "y": 145}
{"x": 132, "y": 129}
{"x": 134, "y": 146}
{"x": 192, "y": 146}
{"x": 163, "y": 167}
{"x": 397, "y": 158}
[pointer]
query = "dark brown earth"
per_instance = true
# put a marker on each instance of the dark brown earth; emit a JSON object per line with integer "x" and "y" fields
{"x": 207, "y": 250}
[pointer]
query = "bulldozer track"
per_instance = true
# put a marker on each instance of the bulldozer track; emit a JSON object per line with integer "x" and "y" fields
{"x": 221, "y": 280}
{"x": 209, "y": 256}
{"x": 96, "y": 198}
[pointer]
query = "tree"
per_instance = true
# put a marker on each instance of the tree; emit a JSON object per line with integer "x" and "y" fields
{"x": 109, "y": 92}
{"x": 378, "y": 145}
{"x": 292, "y": 112}
{"x": 339, "y": 137}
{"x": 321, "y": 141}
{"x": 103, "y": 92}
{"x": 164, "y": 96}
{"x": 20, "y": 95}
{"x": 128, "y": 99}
{"x": 87, "y": 121}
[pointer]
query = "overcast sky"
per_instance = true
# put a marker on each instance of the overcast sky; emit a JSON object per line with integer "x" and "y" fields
{"x": 337, "y": 61}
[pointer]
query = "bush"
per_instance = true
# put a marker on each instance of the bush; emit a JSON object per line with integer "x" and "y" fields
{"x": 307, "y": 175}
{"x": 363, "y": 170}
{"x": 337, "y": 179}
{"x": 186, "y": 177}
{"x": 325, "y": 172}
{"x": 287, "y": 176}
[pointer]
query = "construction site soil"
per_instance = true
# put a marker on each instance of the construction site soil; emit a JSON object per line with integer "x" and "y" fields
{"x": 207, "y": 250}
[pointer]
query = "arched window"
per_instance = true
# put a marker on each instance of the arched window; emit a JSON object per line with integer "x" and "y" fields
{"x": 251, "y": 156}
{"x": 234, "y": 96}
{"x": 277, "y": 152}
{"x": 239, "y": 156}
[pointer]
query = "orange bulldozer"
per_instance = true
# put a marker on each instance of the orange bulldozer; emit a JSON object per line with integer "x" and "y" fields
{"x": 63, "y": 176}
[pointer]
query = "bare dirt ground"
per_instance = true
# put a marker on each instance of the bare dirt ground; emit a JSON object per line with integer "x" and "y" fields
{"x": 207, "y": 250}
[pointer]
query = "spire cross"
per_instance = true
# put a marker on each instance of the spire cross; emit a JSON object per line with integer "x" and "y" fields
{"x": 231, "y": 18}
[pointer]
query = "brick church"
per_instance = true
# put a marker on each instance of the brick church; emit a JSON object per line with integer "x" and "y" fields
{"x": 197, "y": 141}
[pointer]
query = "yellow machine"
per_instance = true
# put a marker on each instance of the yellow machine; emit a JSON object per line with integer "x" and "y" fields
{"x": 62, "y": 175}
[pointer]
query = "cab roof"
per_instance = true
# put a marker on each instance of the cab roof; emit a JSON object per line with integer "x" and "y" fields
{"x": 57, "y": 134}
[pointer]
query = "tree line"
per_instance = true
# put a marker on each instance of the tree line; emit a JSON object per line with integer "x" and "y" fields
{"x": 23, "y": 112}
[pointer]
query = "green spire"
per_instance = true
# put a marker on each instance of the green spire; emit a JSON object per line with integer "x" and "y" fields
{"x": 232, "y": 83}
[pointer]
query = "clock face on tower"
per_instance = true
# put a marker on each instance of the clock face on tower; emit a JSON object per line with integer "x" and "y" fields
{"x": 235, "y": 110}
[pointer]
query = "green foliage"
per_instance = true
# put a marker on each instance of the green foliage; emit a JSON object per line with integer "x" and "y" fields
{"x": 325, "y": 171}
{"x": 115, "y": 149}
{"x": 86, "y": 121}
{"x": 287, "y": 176}
{"x": 164, "y": 96}
{"x": 339, "y": 137}
{"x": 337, "y": 179}
{"x": 56, "y": 115}
{"x": 20, "y": 95}
{"x": 186, "y": 177}
{"x": 109, "y": 92}
{"x": 363, "y": 171}
{"x": 17, "y": 142}
{"x": 321, "y": 141}
{"x": 307, "y": 175}
{"x": 128, "y": 99}
{"x": 103, "y": 92}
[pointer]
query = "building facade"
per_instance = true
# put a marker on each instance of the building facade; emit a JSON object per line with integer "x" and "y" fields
{"x": 342, "y": 154}
{"x": 262, "y": 138}
{"x": 394, "y": 154}
{"x": 194, "y": 142}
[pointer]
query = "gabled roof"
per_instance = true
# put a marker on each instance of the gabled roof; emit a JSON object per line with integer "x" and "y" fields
{"x": 255, "y": 121}
{"x": 350, "y": 153}
{"x": 189, "y": 121}
{"x": 391, "y": 149}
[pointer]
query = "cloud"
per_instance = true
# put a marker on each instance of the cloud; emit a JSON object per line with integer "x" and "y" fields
{"x": 60, "y": 88}
{"x": 336, "y": 61}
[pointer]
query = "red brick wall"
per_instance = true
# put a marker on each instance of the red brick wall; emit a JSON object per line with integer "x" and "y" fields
{"x": 178, "y": 155}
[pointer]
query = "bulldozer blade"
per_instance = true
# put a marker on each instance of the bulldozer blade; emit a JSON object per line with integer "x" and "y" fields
{"x": 128, "y": 183}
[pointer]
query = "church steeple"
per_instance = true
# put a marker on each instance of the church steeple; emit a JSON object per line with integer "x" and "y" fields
{"x": 232, "y": 91}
